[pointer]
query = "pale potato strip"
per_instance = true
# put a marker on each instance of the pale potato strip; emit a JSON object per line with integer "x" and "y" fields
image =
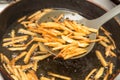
{"x": 17, "y": 37}
{"x": 10, "y": 68}
{"x": 103, "y": 43}
{"x": 110, "y": 68}
{"x": 34, "y": 14}
{"x": 42, "y": 47}
{"x": 88, "y": 76}
{"x": 104, "y": 38}
{"x": 27, "y": 57}
{"x": 99, "y": 73}
{"x": 59, "y": 47}
{"x": 26, "y": 45}
{"x": 57, "y": 19}
{"x": 16, "y": 72}
{"x": 35, "y": 65}
{"x": 106, "y": 76}
{"x": 23, "y": 31}
{"x": 6, "y": 68}
{"x": 67, "y": 39}
{"x": 22, "y": 74}
{"x": 15, "y": 41}
{"x": 53, "y": 44}
{"x": 59, "y": 76}
{"x": 42, "y": 57}
{"x": 12, "y": 35}
{"x": 21, "y": 19}
{"x": 113, "y": 54}
{"x": 17, "y": 48}
{"x": 67, "y": 23}
{"x": 26, "y": 67}
{"x": 108, "y": 35}
{"x": 83, "y": 44}
{"x": 101, "y": 58}
{"x": 18, "y": 57}
{"x": 3, "y": 58}
{"x": 14, "y": 77}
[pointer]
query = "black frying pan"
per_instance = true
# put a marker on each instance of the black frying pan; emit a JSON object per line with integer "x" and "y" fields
{"x": 78, "y": 68}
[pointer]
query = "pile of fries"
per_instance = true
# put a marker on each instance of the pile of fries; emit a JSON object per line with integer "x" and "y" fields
{"x": 66, "y": 37}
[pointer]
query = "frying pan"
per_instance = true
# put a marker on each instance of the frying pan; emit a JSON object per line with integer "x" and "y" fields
{"x": 77, "y": 69}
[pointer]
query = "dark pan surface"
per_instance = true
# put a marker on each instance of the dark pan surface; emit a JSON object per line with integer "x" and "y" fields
{"x": 79, "y": 68}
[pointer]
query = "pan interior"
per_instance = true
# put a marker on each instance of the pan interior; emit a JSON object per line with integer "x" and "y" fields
{"x": 77, "y": 69}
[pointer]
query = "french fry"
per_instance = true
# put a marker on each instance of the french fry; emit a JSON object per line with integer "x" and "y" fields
{"x": 22, "y": 74}
{"x": 106, "y": 76}
{"x": 99, "y": 73}
{"x": 3, "y": 58}
{"x": 44, "y": 78}
{"x": 88, "y": 76}
{"x": 33, "y": 75}
{"x": 17, "y": 37}
{"x": 67, "y": 23}
{"x": 113, "y": 54}
{"x": 17, "y": 48}
{"x": 18, "y": 57}
{"x": 35, "y": 65}
{"x": 42, "y": 57}
{"x": 59, "y": 76}
{"x": 14, "y": 77}
{"x": 78, "y": 51}
{"x": 23, "y": 31}
{"x": 53, "y": 44}
{"x": 42, "y": 47}
{"x": 105, "y": 39}
{"x": 6, "y": 68}
{"x": 103, "y": 43}
{"x": 26, "y": 67}
{"x": 110, "y": 68}
{"x": 101, "y": 58}
{"x": 108, "y": 35}
{"x": 27, "y": 57}
{"x": 15, "y": 41}
{"x": 21, "y": 19}
{"x": 16, "y": 73}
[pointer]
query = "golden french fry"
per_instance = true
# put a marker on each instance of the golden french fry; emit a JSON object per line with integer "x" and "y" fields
{"x": 42, "y": 57}
{"x": 27, "y": 57}
{"x": 34, "y": 76}
{"x": 99, "y": 73}
{"x": 53, "y": 44}
{"x": 88, "y": 76}
{"x": 44, "y": 78}
{"x": 17, "y": 48}
{"x": 17, "y": 37}
{"x": 18, "y": 57}
{"x": 113, "y": 54}
{"x": 59, "y": 76}
{"x": 106, "y": 76}
{"x": 103, "y": 43}
{"x": 14, "y": 77}
{"x": 21, "y": 19}
{"x": 101, "y": 58}
{"x": 23, "y": 31}
{"x": 110, "y": 68}
{"x": 26, "y": 67}
{"x": 15, "y": 41}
